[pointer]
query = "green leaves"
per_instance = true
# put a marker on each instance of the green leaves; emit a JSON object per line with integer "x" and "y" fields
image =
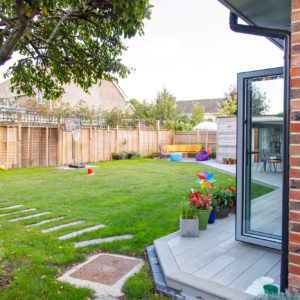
{"x": 68, "y": 39}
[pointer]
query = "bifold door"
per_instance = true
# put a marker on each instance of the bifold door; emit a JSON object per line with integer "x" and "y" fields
{"x": 260, "y": 127}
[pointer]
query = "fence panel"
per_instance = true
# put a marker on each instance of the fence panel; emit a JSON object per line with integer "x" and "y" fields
{"x": 196, "y": 138}
{"x": 41, "y": 145}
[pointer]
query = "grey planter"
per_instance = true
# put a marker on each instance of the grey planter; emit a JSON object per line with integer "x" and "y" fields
{"x": 189, "y": 227}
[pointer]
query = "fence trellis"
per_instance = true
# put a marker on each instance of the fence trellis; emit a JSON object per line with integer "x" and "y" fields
{"x": 31, "y": 140}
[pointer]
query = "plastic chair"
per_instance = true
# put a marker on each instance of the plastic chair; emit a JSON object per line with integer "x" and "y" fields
{"x": 163, "y": 151}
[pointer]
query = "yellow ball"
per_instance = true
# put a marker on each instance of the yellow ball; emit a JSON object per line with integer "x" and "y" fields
{"x": 2, "y": 167}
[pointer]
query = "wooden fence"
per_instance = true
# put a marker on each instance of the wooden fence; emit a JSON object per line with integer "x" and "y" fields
{"x": 34, "y": 140}
{"x": 196, "y": 138}
{"x": 25, "y": 146}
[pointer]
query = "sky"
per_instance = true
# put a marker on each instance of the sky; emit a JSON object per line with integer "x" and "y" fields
{"x": 189, "y": 48}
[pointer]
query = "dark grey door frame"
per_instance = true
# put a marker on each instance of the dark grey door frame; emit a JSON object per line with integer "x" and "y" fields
{"x": 242, "y": 119}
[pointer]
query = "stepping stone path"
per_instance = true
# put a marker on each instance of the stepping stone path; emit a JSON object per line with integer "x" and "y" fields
{"x": 75, "y": 233}
{"x": 17, "y": 212}
{"x": 110, "y": 271}
{"x": 62, "y": 226}
{"x": 30, "y": 216}
{"x": 11, "y": 207}
{"x": 104, "y": 240}
{"x": 45, "y": 222}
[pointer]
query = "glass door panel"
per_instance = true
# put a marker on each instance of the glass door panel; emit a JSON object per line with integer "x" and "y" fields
{"x": 260, "y": 168}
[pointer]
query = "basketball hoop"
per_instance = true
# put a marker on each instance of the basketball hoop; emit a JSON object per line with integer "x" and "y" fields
{"x": 76, "y": 134}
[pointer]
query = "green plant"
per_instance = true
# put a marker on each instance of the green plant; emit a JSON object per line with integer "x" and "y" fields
{"x": 214, "y": 204}
{"x": 133, "y": 155}
{"x": 188, "y": 211}
{"x": 213, "y": 154}
{"x": 230, "y": 160}
{"x": 287, "y": 295}
{"x": 115, "y": 156}
{"x": 224, "y": 159}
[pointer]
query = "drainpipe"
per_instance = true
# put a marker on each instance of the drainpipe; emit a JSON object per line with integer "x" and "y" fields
{"x": 285, "y": 36}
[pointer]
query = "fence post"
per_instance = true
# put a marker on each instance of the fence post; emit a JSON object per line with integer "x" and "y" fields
{"x": 198, "y": 138}
{"x": 108, "y": 142}
{"x": 59, "y": 143}
{"x": 139, "y": 137}
{"x": 90, "y": 143}
{"x": 28, "y": 146}
{"x": 117, "y": 138}
{"x": 157, "y": 136}
{"x": 19, "y": 141}
{"x": 95, "y": 145}
{"x": 47, "y": 146}
{"x": 7, "y": 145}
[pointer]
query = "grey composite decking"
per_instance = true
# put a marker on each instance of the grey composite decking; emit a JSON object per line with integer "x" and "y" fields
{"x": 266, "y": 213}
{"x": 216, "y": 262}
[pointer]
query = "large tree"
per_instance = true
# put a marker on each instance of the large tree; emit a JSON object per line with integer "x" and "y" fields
{"x": 260, "y": 103}
{"x": 66, "y": 40}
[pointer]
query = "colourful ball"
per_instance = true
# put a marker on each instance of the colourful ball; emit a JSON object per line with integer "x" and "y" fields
{"x": 2, "y": 167}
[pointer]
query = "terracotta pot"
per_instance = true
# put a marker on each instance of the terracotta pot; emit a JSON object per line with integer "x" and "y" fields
{"x": 223, "y": 213}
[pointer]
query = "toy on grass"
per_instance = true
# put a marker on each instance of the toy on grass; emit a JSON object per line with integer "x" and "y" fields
{"x": 2, "y": 167}
{"x": 205, "y": 179}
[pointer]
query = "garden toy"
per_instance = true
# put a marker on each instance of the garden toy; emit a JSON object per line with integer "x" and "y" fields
{"x": 163, "y": 151}
{"x": 205, "y": 179}
{"x": 176, "y": 156}
{"x": 2, "y": 167}
{"x": 90, "y": 171}
{"x": 202, "y": 155}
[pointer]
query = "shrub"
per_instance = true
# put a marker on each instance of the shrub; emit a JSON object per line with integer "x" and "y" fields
{"x": 213, "y": 154}
{"x": 283, "y": 296}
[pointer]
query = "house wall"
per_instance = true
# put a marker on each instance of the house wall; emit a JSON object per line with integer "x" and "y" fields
{"x": 294, "y": 193}
{"x": 106, "y": 96}
{"x": 226, "y": 138}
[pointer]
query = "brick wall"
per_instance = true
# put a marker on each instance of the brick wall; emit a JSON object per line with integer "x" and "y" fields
{"x": 294, "y": 194}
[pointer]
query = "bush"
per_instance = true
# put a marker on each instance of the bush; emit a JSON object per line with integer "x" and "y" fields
{"x": 125, "y": 155}
{"x": 283, "y": 296}
{"x": 213, "y": 154}
{"x": 116, "y": 156}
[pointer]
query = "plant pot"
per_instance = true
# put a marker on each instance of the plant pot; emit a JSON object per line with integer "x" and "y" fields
{"x": 212, "y": 217}
{"x": 203, "y": 215}
{"x": 225, "y": 162}
{"x": 271, "y": 289}
{"x": 189, "y": 227}
{"x": 223, "y": 213}
{"x": 232, "y": 209}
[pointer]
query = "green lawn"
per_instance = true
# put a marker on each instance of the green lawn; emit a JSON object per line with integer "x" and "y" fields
{"x": 140, "y": 197}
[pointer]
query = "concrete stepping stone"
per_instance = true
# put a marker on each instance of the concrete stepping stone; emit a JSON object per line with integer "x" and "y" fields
{"x": 11, "y": 207}
{"x": 104, "y": 240}
{"x": 18, "y": 212}
{"x": 106, "y": 274}
{"x": 62, "y": 226}
{"x": 29, "y": 217}
{"x": 44, "y": 222}
{"x": 75, "y": 233}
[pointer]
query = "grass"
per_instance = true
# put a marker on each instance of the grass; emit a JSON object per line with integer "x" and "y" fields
{"x": 139, "y": 197}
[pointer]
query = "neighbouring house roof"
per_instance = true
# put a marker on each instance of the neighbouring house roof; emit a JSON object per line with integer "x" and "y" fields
{"x": 210, "y": 105}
